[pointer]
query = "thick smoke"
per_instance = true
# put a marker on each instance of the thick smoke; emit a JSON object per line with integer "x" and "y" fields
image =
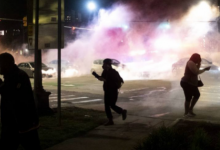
{"x": 148, "y": 36}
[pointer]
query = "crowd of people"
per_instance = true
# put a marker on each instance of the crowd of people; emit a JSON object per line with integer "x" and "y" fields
{"x": 19, "y": 118}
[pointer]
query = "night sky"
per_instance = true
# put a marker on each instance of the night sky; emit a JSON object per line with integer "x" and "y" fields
{"x": 16, "y": 9}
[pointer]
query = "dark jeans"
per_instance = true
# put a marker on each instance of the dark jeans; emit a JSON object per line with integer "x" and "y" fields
{"x": 110, "y": 102}
{"x": 11, "y": 140}
{"x": 190, "y": 91}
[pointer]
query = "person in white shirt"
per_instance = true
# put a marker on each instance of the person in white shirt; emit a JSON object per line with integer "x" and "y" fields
{"x": 189, "y": 83}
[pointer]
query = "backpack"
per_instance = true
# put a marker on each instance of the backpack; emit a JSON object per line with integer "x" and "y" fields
{"x": 120, "y": 81}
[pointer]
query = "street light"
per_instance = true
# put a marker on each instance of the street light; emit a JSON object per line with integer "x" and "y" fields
{"x": 91, "y": 6}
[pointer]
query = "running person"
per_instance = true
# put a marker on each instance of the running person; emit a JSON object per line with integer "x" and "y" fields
{"x": 189, "y": 83}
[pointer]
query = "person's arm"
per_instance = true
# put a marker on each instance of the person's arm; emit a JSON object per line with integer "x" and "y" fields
{"x": 195, "y": 68}
{"x": 1, "y": 85}
{"x": 101, "y": 78}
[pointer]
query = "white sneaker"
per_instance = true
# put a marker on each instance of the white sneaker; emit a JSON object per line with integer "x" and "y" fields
{"x": 185, "y": 115}
{"x": 191, "y": 115}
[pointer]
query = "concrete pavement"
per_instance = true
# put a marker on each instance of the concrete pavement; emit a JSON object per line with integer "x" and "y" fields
{"x": 124, "y": 135}
{"x": 149, "y": 108}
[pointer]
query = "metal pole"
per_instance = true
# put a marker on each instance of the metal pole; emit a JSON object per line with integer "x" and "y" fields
{"x": 59, "y": 62}
{"x": 218, "y": 24}
{"x": 36, "y": 76}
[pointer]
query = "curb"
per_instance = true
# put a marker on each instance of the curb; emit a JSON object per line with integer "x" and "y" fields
{"x": 193, "y": 120}
{"x": 175, "y": 122}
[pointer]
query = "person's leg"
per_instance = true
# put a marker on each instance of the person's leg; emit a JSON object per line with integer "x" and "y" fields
{"x": 196, "y": 95}
{"x": 30, "y": 140}
{"x": 187, "y": 104}
{"x": 188, "y": 96}
{"x": 108, "y": 109}
{"x": 114, "y": 98}
{"x": 119, "y": 110}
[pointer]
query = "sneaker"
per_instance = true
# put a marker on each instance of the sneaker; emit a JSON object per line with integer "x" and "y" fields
{"x": 192, "y": 114}
{"x": 109, "y": 123}
{"x": 185, "y": 116}
{"x": 124, "y": 114}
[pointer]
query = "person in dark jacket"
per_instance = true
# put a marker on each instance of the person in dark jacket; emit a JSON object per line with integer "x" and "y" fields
{"x": 112, "y": 82}
{"x": 19, "y": 117}
{"x": 189, "y": 83}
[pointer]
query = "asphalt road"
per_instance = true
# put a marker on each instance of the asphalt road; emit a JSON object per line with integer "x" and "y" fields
{"x": 146, "y": 98}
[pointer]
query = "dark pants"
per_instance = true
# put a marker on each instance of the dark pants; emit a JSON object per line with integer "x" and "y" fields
{"x": 110, "y": 102}
{"x": 190, "y": 91}
{"x": 11, "y": 140}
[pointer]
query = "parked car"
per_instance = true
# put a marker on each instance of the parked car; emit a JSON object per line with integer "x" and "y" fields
{"x": 179, "y": 67}
{"x": 128, "y": 69}
{"x": 28, "y": 67}
{"x": 65, "y": 65}
{"x": 97, "y": 65}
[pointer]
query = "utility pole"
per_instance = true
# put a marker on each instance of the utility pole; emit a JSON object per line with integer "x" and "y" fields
{"x": 59, "y": 61}
{"x": 37, "y": 73}
{"x": 218, "y": 22}
{"x": 41, "y": 96}
{"x": 38, "y": 32}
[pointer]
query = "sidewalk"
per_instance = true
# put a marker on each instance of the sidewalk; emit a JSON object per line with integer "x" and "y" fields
{"x": 124, "y": 135}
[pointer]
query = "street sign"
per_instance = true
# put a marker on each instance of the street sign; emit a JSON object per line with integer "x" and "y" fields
{"x": 31, "y": 36}
{"x": 31, "y": 42}
{"x": 48, "y": 24}
{"x": 48, "y": 36}
{"x": 25, "y": 21}
{"x": 30, "y": 30}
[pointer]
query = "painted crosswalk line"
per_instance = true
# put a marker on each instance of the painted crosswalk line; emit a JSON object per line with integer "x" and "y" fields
{"x": 68, "y": 99}
{"x": 87, "y": 101}
{"x": 55, "y": 97}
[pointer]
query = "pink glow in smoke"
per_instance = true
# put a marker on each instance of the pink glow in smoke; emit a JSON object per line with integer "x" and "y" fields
{"x": 117, "y": 36}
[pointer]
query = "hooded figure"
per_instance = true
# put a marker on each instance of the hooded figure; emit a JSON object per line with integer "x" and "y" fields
{"x": 19, "y": 117}
{"x": 112, "y": 82}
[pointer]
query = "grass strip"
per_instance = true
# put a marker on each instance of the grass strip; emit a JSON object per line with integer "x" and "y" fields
{"x": 75, "y": 122}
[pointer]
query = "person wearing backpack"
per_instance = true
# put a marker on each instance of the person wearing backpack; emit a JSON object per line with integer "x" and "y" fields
{"x": 112, "y": 82}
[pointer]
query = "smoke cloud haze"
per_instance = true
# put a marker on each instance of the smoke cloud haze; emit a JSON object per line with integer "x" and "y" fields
{"x": 148, "y": 36}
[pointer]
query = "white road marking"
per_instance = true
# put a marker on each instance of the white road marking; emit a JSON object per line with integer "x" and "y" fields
{"x": 159, "y": 115}
{"x": 135, "y": 89}
{"x": 67, "y": 99}
{"x": 61, "y": 96}
{"x": 87, "y": 101}
{"x": 174, "y": 89}
{"x": 67, "y": 85}
{"x": 162, "y": 89}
